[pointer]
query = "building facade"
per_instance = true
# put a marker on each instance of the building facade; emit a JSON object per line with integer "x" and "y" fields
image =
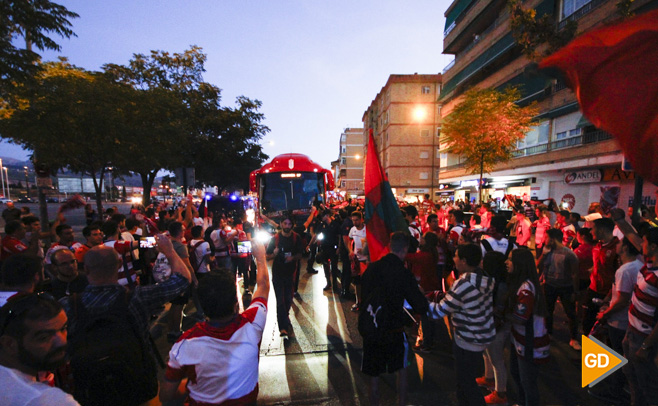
{"x": 405, "y": 121}
{"x": 564, "y": 157}
{"x": 349, "y": 166}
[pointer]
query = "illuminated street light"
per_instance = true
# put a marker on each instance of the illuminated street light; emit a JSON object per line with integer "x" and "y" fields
{"x": 357, "y": 156}
{"x": 419, "y": 114}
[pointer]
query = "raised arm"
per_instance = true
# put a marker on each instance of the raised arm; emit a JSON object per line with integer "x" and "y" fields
{"x": 262, "y": 272}
{"x": 177, "y": 265}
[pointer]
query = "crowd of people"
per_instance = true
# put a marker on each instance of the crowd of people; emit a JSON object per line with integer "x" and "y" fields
{"x": 75, "y": 317}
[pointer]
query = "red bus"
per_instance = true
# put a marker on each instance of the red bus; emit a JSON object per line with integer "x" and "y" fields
{"x": 290, "y": 183}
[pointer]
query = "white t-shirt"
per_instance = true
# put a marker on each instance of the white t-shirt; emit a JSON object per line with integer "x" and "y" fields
{"x": 222, "y": 360}
{"x": 126, "y": 236}
{"x": 358, "y": 236}
{"x": 201, "y": 251}
{"x": 625, "y": 281}
{"x": 19, "y": 389}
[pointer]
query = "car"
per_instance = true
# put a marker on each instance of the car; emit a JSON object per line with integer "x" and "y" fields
{"x": 24, "y": 200}
{"x": 4, "y": 200}
{"x": 52, "y": 200}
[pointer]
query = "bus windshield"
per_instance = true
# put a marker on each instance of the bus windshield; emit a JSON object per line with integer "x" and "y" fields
{"x": 290, "y": 190}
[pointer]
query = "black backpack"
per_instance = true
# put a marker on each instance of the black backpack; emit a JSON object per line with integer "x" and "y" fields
{"x": 374, "y": 315}
{"x": 110, "y": 361}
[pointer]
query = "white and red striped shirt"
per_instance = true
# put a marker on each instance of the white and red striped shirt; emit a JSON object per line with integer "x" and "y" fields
{"x": 642, "y": 313}
{"x": 221, "y": 363}
{"x": 523, "y": 311}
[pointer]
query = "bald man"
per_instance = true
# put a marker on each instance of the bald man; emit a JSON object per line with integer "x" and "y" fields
{"x": 101, "y": 295}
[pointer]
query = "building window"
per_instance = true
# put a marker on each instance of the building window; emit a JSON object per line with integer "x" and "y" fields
{"x": 343, "y": 183}
{"x": 343, "y": 149}
{"x": 571, "y": 6}
{"x": 343, "y": 137}
{"x": 424, "y": 133}
{"x": 538, "y": 135}
{"x": 343, "y": 161}
{"x": 423, "y": 175}
{"x": 426, "y": 90}
{"x": 424, "y": 155}
{"x": 568, "y": 134}
{"x": 438, "y": 131}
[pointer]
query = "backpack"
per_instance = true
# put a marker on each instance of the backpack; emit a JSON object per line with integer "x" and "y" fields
{"x": 110, "y": 361}
{"x": 374, "y": 314}
{"x": 192, "y": 251}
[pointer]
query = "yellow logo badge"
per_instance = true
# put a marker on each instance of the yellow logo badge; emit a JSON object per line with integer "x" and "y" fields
{"x": 598, "y": 361}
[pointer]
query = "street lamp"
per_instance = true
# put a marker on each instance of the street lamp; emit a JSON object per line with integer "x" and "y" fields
{"x": 419, "y": 115}
{"x": 27, "y": 187}
{"x": 2, "y": 177}
{"x": 7, "y": 177}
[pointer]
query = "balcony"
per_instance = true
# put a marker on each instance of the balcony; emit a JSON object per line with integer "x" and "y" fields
{"x": 578, "y": 14}
{"x": 588, "y": 138}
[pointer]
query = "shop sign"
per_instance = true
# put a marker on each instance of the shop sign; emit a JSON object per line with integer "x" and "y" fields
{"x": 468, "y": 183}
{"x": 568, "y": 201}
{"x": 417, "y": 191}
{"x": 616, "y": 174}
{"x": 588, "y": 176}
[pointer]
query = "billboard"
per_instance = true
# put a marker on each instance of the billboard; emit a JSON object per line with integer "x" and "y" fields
{"x": 76, "y": 185}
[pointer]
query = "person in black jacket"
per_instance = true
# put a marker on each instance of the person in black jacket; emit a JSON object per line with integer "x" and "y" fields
{"x": 390, "y": 354}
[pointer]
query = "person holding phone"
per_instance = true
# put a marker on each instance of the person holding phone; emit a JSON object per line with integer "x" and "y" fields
{"x": 285, "y": 249}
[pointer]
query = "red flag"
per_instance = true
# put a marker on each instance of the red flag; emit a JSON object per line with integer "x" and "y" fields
{"x": 383, "y": 214}
{"x": 613, "y": 72}
{"x": 73, "y": 202}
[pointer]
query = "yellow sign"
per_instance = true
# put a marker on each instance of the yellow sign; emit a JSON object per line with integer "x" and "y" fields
{"x": 598, "y": 361}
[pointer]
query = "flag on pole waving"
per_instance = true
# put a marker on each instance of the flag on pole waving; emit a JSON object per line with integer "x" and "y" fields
{"x": 613, "y": 72}
{"x": 383, "y": 214}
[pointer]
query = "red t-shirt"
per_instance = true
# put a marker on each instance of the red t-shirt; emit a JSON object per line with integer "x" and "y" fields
{"x": 11, "y": 246}
{"x": 605, "y": 265}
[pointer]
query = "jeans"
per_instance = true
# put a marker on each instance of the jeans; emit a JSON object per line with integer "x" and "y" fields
{"x": 642, "y": 374}
{"x": 283, "y": 285}
{"x": 591, "y": 311}
{"x": 525, "y": 373}
{"x": 330, "y": 266}
{"x": 466, "y": 362}
{"x": 494, "y": 357}
{"x": 566, "y": 295}
{"x": 616, "y": 336}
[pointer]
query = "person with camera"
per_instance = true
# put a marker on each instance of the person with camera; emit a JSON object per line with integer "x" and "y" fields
{"x": 285, "y": 249}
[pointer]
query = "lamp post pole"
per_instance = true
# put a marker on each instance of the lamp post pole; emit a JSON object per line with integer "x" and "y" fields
{"x": 2, "y": 177}
{"x": 7, "y": 177}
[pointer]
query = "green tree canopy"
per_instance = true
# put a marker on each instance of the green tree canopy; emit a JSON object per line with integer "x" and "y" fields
{"x": 73, "y": 118}
{"x": 34, "y": 21}
{"x": 485, "y": 127}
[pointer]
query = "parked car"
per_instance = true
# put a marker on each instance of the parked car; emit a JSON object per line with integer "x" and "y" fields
{"x": 4, "y": 200}
{"x": 52, "y": 200}
{"x": 24, "y": 200}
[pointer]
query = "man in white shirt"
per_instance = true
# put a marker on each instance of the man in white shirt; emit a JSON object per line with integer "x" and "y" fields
{"x": 358, "y": 236}
{"x": 32, "y": 340}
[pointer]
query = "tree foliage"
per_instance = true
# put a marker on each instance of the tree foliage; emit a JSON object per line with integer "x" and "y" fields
{"x": 485, "y": 127}
{"x": 72, "y": 118}
{"x": 221, "y": 143}
{"x": 531, "y": 32}
{"x": 34, "y": 21}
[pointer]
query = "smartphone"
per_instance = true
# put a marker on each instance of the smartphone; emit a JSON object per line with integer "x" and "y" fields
{"x": 244, "y": 247}
{"x": 147, "y": 242}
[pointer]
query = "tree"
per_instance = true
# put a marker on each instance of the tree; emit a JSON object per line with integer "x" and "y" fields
{"x": 198, "y": 133}
{"x": 73, "y": 118}
{"x": 485, "y": 127}
{"x": 34, "y": 20}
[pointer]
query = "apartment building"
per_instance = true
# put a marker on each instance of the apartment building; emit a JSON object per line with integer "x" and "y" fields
{"x": 405, "y": 120}
{"x": 564, "y": 156}
{"x": 349, "y": 165}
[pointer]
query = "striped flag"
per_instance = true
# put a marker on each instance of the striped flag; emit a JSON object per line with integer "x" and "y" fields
{"x": 383, "y": 214}
{"x": 613, "y": 72}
